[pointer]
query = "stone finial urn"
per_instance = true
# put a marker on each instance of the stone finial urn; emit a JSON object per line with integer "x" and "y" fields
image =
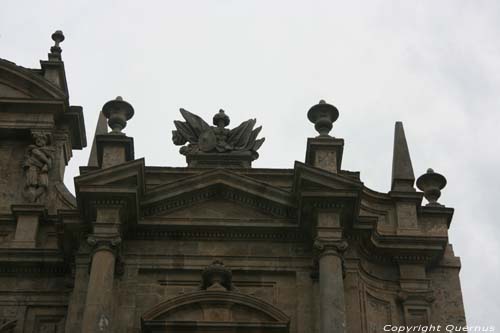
{"x": 118, "y": 112}
{"x": 323, "y": 115}
{"x": 431, "y": 183}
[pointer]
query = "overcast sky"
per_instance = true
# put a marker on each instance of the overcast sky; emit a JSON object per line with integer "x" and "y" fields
{"x": 435, "y": 65}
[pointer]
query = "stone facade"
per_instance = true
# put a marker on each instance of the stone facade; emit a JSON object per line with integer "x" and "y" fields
{"x": 217, "y": 246}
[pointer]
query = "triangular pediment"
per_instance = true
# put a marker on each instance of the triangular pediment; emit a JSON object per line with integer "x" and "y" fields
{"x": 218, "y": 193}
{"x": 217, "y": 208}
{"x": 129, "y": 174}
{"x": 311, "y": 179}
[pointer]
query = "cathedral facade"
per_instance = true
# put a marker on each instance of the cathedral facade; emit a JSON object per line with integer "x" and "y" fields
{"x": 216, "y": 246}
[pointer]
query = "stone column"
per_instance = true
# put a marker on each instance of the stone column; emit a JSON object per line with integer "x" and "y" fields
{"x": 98, "y": 305}
{"x": 331, "y": 286}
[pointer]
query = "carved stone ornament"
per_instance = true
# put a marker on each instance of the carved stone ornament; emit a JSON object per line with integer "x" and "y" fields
{"x": 324, "y": 247}
{"x": 431, "y": 183}
{"x": 203, "y": 138}
{"x": 109, "y": 244}
{"x": 117, "y": 112}
{"x": 217, "y": 277}
{"x": 323, "y": 115}
{"x": 36, "y": 165}
{"x": 426, "y": 297}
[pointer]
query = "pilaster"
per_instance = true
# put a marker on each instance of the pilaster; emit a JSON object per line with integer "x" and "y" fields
{"x": 416, "y": 296}
{"x": 28, "y": 221}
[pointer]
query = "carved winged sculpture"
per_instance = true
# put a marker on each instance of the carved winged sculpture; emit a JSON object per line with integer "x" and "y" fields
{"x": 203, "y": 138}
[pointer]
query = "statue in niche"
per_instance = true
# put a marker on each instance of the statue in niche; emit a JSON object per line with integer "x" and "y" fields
{"x": 203, "y": 138}
{"x": 37, "y": 163}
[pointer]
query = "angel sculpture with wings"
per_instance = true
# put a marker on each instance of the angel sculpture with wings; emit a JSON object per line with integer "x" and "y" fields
{"x": 203, "y": 138}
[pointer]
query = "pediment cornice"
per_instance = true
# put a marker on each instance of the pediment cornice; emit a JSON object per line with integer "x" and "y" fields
{"x": 220, "y": 184}
{"x": 313, "y": 181}
{"x": 28, "y": 83}
{"x": 121, "y": 184}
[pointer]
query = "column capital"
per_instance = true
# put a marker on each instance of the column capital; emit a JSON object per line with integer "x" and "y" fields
{"x": 99, "y": 243}
{"x": 329, "y": 247}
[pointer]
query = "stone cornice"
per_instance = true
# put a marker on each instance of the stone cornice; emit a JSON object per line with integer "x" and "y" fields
{"x": 24, "y": 77}
{"x": 219, "y": 191}
{"x": 444, "y": 212}
{"x": 213, "y": 233}
{"x": 32, "y": 261}
{"x": 399, "y": 249}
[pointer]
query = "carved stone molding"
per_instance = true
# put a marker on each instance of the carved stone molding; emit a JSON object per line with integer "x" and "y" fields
{"x": 416, "y": 306}
{"x": 7, "y": 325}
{"x": 108, "y": 203}
{"x": 215, "y": 310}
{"x": 208, "y": 234}
{"x": 59, "y": 269}
{"x": 416, "y": 298}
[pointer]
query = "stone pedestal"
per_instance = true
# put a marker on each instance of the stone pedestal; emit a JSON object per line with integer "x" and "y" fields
{"x": 325, "y": 153}
{"x": 114, "y": 149}
{"x": 226, "y": 160}
{"x": 28, "y": 220}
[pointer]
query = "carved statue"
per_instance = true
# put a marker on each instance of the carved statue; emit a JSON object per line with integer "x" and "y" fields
{"x": 203, "y": 138}
{"x": 37, "y": 163}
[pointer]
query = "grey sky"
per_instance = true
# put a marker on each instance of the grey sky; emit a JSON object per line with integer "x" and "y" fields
{"x": 435, "y": 65}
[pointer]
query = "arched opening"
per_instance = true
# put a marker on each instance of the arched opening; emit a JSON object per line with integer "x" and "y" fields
{"x": 215, "y": 311}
